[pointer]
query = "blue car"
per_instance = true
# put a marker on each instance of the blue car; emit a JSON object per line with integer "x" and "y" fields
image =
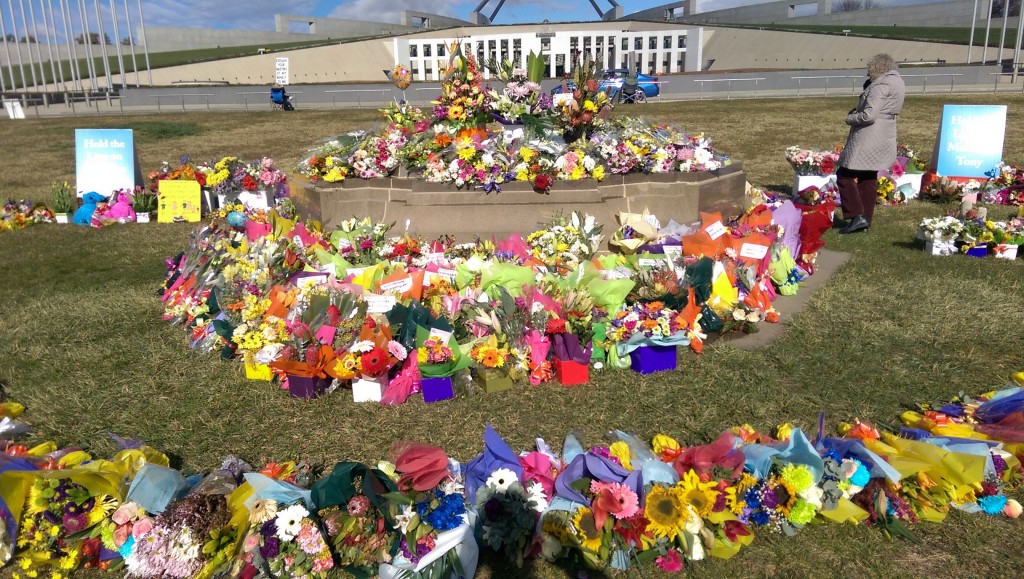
{"x": 611, "y": 82}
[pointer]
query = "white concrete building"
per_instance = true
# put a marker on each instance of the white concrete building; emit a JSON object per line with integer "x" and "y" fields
{"x": 657, "y": 51}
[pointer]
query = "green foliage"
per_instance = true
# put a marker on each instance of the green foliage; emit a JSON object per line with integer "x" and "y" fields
{"x": 63, "y": 197}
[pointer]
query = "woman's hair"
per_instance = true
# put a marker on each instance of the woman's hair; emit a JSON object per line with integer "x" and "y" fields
{"x": 879, "y": 65}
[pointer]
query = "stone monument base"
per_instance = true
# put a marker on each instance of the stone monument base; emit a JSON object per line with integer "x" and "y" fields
{"x": 433, "y": 209}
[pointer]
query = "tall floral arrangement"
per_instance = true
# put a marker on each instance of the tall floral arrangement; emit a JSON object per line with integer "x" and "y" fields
{"x": 585, "y": 107}
{"x": 464, "y": 102}
{"x": 812, "y": 161}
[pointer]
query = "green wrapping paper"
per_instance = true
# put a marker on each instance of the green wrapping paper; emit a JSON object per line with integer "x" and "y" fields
{"x": 460, "y": 355}
{"x": 505, "y": 275}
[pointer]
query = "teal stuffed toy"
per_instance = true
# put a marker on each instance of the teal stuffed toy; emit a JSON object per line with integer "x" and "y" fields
{"x": 84, "y": 214}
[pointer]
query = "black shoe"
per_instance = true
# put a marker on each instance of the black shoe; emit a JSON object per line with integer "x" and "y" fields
{"x": 856, "y": 224}
{"x": 840, "y": 223}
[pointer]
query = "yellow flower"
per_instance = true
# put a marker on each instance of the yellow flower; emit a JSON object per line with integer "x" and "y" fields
{"x": 576, "y": 174}
{"x": 620, "y": 450}
{"x": 526, "y": 153}
{"x": 586, "y": 529}
{"x": 522, "y": 174}
{"x": 661, "y": 443}
{"x": 588, "y": 105}
{"x": 467, "y": 153}
{"x": 700, "y": 496}
{"x": 598, "y": 172}
{"x": 665, "y": 511}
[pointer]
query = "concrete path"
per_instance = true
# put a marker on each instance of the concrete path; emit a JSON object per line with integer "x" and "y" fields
{"x": 829, "y": 262}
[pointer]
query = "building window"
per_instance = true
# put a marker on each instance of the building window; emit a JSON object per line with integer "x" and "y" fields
{"x": 664, "y": 66}
{"x": 638, "y": 43}
{"x": 681, "y": 41}
{"x": 415, "y": 68}
{"x": 428, "y": 70}
{"x": 440, "y": 50}
{"x": 625, "y": 44}
{"x": 545, "y": 44}
{"x": 517, "y": 43}
{"x": 492, "y": 45}
{"x": 680, "y": 64}
{"x": 413, "y": 51}
{"x": 666, "y": 42}
{"x": 652, "y": 43}
{"x": 625, "y": 61}
{"x": 426, "y": 50}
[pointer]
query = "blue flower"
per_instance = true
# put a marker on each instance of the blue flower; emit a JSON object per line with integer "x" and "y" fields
{"x": 992, "y": 505}
{"x": 753, "y": 498}
{"x": 861, "y": 476}
{"x": 760, "y": 518}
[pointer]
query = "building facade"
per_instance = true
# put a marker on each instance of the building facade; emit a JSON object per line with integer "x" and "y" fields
{"x": 653, "y": 52}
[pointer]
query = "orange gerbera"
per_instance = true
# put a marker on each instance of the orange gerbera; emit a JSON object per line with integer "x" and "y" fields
{"x": 656, "y": 306}
{"x": 649, "y": 324}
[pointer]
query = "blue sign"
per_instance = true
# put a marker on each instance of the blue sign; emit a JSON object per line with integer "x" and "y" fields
{"x": 970, "y": 142}
{"x": 104, "y": 160}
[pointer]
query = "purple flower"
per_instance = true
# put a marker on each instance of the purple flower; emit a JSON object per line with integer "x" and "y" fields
{"x": 494, "y": 509}
{"x": 769, "y": 499}
{"x": 271, "y": 546}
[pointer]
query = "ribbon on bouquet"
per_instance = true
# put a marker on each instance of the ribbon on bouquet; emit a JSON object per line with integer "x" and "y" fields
{"x": 490, "y": 187}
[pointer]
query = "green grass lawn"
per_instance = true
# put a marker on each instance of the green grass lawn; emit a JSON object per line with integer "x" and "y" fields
{"x": 952, "y": 35}
{"x": 83, "y": 346}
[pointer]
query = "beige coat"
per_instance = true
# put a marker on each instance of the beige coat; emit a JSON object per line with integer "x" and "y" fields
{"x": 871, "y": 145}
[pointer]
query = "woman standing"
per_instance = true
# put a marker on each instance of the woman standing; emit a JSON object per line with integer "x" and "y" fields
{"x": 871, "y": 146}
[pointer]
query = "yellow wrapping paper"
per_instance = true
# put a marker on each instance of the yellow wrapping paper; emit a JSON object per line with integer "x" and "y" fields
{"x": 845, "y": 512}
{"x": 240, "y": 521}
{"x": 910, "y": 457}
{"x": 724, "y": 295}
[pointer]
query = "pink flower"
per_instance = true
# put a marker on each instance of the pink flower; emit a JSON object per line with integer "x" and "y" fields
{"x": 121, "y": 535}
{"x": 251, "y": 542}
{"x": 142, "y": 527}
{"x": 613, "y": 499}
{"x": 397, "y": 350}
{"x": 358, "y": 505}
{"x": 670, "y": 562}
{"x": 126, "y": 512}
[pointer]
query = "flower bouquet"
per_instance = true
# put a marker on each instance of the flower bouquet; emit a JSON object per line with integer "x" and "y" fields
{"x": 940, "y": 233}
{"x": 567, "y": 241}
{"x": 508, "y": 512}
{"x": 429, "y": 511}
{"x": 522, "y": 95}
{"x": 585, "y": 107}
{"x": 811, "y": 161}
{"x": 63, "y": 201}
{"x": 284, "y": 541}
{"x": 649, "y": 333}
{"x": 19, "y": 214}
{"x": 183, "y": 540}
{"x": 328, "y": 161}
{"x": 464, "y": 103}
{"x": 1008, "y": 238}
{"x": 350, "y": 502}
{"x": 368, "y": 361}
{"x": 439, "y": 357}
{"x": 491, "y": 361}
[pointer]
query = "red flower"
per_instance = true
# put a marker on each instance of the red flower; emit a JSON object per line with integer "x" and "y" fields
{"x": 201, "y": 179}
{"x": 734, "y": 530}
{"x": 374, "y": 362}
{"x": 542, "y": 183}
{"x": 828, "y": 166}
{"x": 556, "y": 326}
{"x": 249, "y": 183}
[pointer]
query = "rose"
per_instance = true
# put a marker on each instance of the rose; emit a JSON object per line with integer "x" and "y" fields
{"x": 542, "y": 183}
{"x": 248, "y": 183}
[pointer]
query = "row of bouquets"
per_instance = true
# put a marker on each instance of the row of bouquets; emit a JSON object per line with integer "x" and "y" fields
{"x": 616, "y": 504}
{"x": 667, "y": 287}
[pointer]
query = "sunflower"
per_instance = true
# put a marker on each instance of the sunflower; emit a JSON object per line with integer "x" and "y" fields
{"x": 700, "y": 496}
{"x": 665, "y": 511}
{"x": 586, "y": 529}
{"x": 786, "y": 493}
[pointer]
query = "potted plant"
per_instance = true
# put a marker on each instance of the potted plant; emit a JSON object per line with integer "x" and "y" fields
{"x": 1007, "y": 238}
{"x": 63, "y": 201}
{"x": 144, "y": 205}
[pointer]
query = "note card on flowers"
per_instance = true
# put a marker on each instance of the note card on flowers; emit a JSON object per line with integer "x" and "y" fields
{"x": 179, "y": 201}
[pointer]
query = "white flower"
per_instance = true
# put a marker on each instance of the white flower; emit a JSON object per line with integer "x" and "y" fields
{"x": 501, "y": 479}
{"x": 537, "y": 497}
{"x": 269, "y": 353}
{"x": 289, "y": 522}
{"x": 362, "y": 347}
{"x": 452, "y": 487}
{"x": 240, "y": 331}
{"x": 813, "y": 496}
{"x": 402, "y": 520}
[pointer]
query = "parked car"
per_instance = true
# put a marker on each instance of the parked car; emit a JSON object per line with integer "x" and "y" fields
{"x": 611, "y": 82}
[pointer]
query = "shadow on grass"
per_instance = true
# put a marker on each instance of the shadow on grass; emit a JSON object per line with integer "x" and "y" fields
{"x": 915, "y": 244}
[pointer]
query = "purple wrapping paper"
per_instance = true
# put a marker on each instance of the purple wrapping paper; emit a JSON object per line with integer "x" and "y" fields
{"x": 596, "y": 468}
{"x": 567, "y": 349}
{"x": 789, "y": 217}
{"x": 497, "y": 454}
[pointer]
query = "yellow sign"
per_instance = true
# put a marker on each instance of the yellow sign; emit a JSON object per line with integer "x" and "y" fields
{"x": 179, "y": 201}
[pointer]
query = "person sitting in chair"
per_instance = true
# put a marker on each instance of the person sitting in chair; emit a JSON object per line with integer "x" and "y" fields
{"x": 280, "y": 97}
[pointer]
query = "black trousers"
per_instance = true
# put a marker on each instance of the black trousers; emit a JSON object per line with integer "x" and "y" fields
{"x": 858, "y": 192}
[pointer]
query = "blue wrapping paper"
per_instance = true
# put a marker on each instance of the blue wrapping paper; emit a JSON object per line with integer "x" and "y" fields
{"x": 497, "y": 454}
{"x": 266, "y": 488}
{"x": 854, "y": 448}
{"x": 643, "y": 460}
{"x": 995, "y": 410}
{"x": 797, "y": 451}
{"x": 154, "y": 487}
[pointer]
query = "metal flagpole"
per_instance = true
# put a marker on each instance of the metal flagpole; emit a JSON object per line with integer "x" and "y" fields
{"x": 103, "y": 43}
{"x": 14, "y": 30}
{"x": 51, "y": 38}
{"x": 970, "y": 42}
{"x": 131, "y": 42}
{"x": 7, "y": 49}
{"x": 31, "y": 64}
{"x": 39, "y": 55}
{"x": 76, "y": 74}
{"x": 1016, "y": 50}
{"x": 117, "y": 45}
{"x": 87, "y": 37}
{"x": 988, "y": 26}
{"x": 145, "y": 45}
{"x": 1002, "y": 33}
